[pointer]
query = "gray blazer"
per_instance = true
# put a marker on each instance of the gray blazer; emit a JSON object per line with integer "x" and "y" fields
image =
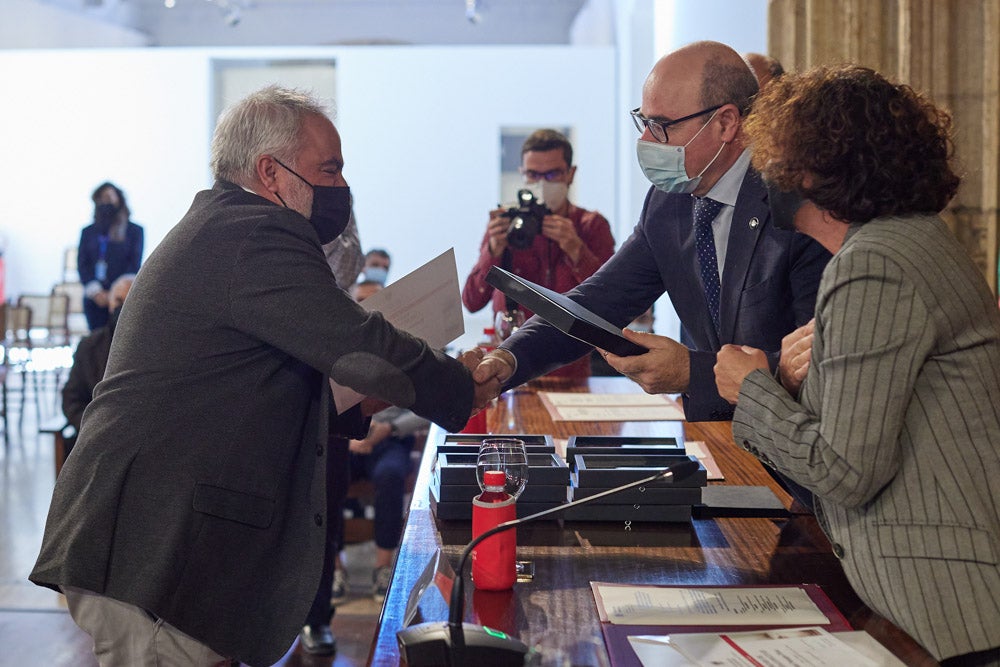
{"x": 197, "y": 488}
{"x": 898, "y": 430}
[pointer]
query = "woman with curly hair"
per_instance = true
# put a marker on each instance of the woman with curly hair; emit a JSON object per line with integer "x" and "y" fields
{"x": 887, "y": 407}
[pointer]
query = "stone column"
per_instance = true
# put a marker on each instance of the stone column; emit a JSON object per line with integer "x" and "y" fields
{"x": 948, "y": 49}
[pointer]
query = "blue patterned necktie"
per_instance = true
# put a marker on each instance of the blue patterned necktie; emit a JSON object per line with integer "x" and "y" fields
{"x": 705, "y": 211}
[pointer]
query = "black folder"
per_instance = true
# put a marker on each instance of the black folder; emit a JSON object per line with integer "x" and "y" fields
{"x": 563, "y": 313}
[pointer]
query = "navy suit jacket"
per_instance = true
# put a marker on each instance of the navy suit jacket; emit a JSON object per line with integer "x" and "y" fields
{"x": 769, "y": 287}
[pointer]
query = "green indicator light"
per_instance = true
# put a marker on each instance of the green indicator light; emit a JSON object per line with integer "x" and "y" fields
{"x": 494, "y": 633}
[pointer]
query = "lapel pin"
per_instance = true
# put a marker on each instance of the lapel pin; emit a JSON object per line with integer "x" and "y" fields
{"x": 754, "y": 222}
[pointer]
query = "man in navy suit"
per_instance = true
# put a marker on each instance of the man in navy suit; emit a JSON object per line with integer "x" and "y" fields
{"x": 731, "y": 275}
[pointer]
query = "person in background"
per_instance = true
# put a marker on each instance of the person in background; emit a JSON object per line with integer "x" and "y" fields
{"x": 91, "y": 358}
{"x": 383, "y": 456}
{"x": 109, "y": 247}
{"x": 572, "y": 245}
{"x": 705, "y": 237}
{"x": 376, "y": 268}
{"x": 892, "y": 414}
{"x": 343, "y": 254}
{"x": 765, "y": 68}
{"x": 190, "y": 524}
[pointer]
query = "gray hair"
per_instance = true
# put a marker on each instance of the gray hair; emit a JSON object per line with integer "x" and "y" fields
{"x": 119, "y": 289}
{"x": 727, "y": 82}
{"x": 266, "y": 122}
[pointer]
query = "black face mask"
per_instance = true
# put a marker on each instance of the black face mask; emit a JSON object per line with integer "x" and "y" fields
{"x": 331, "y": 208}
{"x": 784, "y": 205}
{"x": 104, "y": 216}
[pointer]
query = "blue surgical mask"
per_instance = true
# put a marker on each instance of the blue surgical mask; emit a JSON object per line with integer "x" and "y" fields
{"x": 376, "y": 274}
{"x": 663, "y": 164}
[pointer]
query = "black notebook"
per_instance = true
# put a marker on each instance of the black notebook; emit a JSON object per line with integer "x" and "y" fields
{"x": 563, "y": 313}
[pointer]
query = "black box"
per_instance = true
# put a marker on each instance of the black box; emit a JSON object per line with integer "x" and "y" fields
{"x": 476, "y": 439}
{"x": 460, "y": 469}
{"x": 642, "y": 513}
{"x": 606, "y": 471}
{"x": 683, "y": 495}
{"x": 533, "y": 493}
{"x": 611, "y": 444}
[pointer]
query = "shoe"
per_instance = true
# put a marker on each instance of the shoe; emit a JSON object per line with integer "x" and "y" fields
{"x": 338, "y": 593}
{"x": 317, "y": 640}
{"x": 380, "y": 582}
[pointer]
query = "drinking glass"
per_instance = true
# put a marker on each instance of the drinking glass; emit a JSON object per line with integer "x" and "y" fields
{"x": 507, "y": 455}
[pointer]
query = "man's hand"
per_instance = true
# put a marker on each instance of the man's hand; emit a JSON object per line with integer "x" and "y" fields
{"x": 665, "y": 369}
{"x": 732, "y": 364}
{"x": 487, "y": 388}
{"x": 496, "y": 366}
{"x": 101, "y": 298}
{"x": 497, "y": 230}
{"x": 796, "y": 351}
{"x": 562, "y": 231}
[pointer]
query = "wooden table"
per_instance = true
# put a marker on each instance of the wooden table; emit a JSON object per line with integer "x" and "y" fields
{"x": 567, "y": 556}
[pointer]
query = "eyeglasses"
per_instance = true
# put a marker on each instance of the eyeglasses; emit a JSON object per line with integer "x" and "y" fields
{"x": 551, "y": 175}
{"x": 658, "y": 128}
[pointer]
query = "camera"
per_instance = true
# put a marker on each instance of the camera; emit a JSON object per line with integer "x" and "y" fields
{"x": 525, "y": 219}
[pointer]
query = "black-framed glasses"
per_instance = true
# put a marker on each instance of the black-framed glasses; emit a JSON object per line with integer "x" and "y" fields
{"x": 658, "y": 128}
{"x": 550, "y": 175}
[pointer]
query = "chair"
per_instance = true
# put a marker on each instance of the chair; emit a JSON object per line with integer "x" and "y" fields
{"x": 76, "y": 321}
{"x": 69, "y": 270}
{"x": 47, "y": 341}
{"x": 17, "y": 349}
{"x": 49, "y": 318}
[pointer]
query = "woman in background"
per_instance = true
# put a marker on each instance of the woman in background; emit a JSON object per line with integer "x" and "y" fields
{"x": 896, "y": 425}
{"x": 109, "y": 248}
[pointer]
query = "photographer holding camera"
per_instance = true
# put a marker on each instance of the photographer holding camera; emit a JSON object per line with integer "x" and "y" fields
{"x": 552, "y": 242}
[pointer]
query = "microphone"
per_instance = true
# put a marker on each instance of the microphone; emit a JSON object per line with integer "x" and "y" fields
{"x": 459, "y": 644}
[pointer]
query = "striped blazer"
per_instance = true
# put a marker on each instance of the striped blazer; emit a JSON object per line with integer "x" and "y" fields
{"x": 897, "y": 429}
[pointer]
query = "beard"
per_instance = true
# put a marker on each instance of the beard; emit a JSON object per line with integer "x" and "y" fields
{"x": 299, "y": 198}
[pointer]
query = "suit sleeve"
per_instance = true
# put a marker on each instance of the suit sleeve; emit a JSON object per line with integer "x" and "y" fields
{"x": 283, "y": 293}
{"x": 875, "y": 332}
{"x": 622, "y": 289}
{"x": 78, "y": 390}
{"x": 135, "y": 256}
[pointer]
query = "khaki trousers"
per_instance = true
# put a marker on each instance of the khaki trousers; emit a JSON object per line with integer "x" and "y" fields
{"x": 126, "y": 636}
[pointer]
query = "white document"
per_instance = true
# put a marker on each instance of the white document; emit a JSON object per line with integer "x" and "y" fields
{"x": 426, "y": 303}
{"x": 569, "y": 406}
{"x": 668, "y": 605}
{"x": 577, "y": 399}
{"x": 789, "y": 647}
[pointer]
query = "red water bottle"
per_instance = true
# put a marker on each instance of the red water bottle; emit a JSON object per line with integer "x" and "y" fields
{"x": 493, "y": 561}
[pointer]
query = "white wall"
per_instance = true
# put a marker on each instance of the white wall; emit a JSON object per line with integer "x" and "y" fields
{"x": 420, "y": 128}
{"x": 26, "y": 24}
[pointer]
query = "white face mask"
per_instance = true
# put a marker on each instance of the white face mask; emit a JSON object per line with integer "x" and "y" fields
{"x": 554, "y": 194}
{"x": 663, "y": 164}
{"x": 551, "y": 193}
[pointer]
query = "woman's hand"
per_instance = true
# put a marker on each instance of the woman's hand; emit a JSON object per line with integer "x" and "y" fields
{"x": 732, "y": 364}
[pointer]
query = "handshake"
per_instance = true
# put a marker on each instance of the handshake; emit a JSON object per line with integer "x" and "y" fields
{"x": 489, "y": 372}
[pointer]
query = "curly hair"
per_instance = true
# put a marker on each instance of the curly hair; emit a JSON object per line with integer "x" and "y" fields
{"x": 853, "y": 143}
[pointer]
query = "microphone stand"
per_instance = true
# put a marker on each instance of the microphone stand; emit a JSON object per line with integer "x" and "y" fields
{"x": 429, "y": 643}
